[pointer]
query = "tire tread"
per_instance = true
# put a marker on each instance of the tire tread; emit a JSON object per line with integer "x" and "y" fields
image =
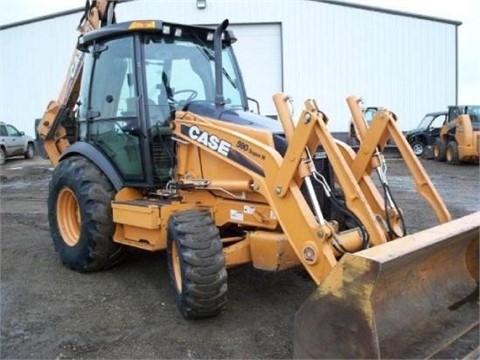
{"x": 204, "y": 277}
{"x": 95, "y": 249}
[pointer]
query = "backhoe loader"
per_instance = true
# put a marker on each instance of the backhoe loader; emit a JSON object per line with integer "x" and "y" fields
{"x": 154, "y": 148}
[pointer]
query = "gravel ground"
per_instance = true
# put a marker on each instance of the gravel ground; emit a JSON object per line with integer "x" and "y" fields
{"x": 50, "y": 312}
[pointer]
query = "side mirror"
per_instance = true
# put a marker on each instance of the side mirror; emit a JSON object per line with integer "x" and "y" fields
{"x": 256, "y": 103}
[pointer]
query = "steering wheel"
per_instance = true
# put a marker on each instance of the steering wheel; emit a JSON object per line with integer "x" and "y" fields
{"x": 193, "y": 95}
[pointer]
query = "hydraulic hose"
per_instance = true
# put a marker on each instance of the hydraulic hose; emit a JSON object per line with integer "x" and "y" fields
{"x": 391, "y": 231}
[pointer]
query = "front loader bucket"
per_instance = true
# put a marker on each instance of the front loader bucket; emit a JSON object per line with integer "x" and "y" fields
{"x": 408, "y": 298}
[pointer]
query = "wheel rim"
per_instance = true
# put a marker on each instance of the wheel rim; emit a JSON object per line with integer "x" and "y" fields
{"x": 30, "y": 151}
{"x": 177, "y": 272}
{"x": 68, "y": 217}
{"x": 2, "y": 157}
{"x": 418, "y": 149}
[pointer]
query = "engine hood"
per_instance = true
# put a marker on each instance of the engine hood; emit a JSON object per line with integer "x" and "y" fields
{"x": 235, "y": 116}
{"x": 414, "y": 132}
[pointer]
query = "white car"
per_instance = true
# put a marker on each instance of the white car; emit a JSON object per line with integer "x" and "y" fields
{"x": 14, "y": 143}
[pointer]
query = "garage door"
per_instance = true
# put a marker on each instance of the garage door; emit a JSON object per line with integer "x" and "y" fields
{"x": 259, "y": 53}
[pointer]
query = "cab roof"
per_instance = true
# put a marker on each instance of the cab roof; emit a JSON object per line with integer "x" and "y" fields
{"x": 151, "y": 26}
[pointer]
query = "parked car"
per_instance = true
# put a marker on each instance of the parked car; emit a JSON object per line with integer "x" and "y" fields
{"x": 426, "y": 132}
{"x": 14, "y": 143}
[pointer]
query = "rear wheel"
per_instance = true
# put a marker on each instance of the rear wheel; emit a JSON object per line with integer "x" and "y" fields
{"x": 80, "y": 216}
{"x": 452, "y": 155}
{"x": 30, "y": 151}
{"x": 196, "y": 264}
{"x": 439, "y": 149}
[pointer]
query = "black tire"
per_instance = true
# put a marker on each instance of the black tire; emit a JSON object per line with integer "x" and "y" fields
{"x": 196, "y": 264}
{"x": 439, "y": 149}
{"x": 30, "y": 151}
{"x": 80, "y": 216}
{"x": 418, "y": 147}
{"x": 3, "y": 156}
{"x": 452, "y": 155}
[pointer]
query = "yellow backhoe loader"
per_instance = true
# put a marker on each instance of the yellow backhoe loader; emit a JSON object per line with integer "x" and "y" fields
{"x": 154, "y": 148}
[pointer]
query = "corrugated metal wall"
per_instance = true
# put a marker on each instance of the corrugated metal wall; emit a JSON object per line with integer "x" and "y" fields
{"x": 33, "y": 65}
{"x": 329, "y": 51}
{"x": 402, "y": 63}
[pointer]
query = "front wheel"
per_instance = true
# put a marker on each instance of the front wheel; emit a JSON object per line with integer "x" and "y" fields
{"x": 3, "y": 156}
{"x": 80, "y": 216}
{"x": 418, "y": 147}
{"x": 196, "y": 264}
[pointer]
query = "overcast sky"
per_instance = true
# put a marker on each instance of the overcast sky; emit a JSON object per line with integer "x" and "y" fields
{"x": 466, "y": 11}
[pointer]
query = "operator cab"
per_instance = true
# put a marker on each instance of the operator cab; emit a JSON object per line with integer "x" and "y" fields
{"x": 135, "y": 76}
{"x": 473, "y": 111}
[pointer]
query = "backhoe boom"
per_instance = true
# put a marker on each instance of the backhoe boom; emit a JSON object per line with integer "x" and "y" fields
{"x": 50, "y": 128}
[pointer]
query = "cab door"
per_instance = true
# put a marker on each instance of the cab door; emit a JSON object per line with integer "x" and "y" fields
{"x": 111, "y": 107}
{"x": 12, "y": 140}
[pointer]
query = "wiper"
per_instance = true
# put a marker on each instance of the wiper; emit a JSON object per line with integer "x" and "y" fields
{"x": 229, "y": 78}
{"x": 207, "y": 53}
{"x": 210, "y": 56}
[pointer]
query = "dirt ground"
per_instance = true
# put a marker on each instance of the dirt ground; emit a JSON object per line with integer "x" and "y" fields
{"x": 51, "y": 312}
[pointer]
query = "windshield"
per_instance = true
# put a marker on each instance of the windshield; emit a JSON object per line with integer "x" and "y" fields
{"x": 425, "y": 122}
{"x": 474, "y": 113}
{"x": 181, "y": 70}
{"x": 432, "y": 121}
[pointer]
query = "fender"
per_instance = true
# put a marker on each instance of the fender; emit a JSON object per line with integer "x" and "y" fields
{"x": 94, "y": 155}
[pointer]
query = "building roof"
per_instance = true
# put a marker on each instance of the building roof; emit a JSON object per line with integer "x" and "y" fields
{"x": 389, "y": 11}
{"x": 332, "y": 2}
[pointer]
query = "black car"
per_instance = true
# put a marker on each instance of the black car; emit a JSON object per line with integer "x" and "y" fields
{"x": 427, "y": 131}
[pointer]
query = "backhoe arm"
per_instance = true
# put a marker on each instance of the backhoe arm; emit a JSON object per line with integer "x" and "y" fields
{"x": 50, "y": 128}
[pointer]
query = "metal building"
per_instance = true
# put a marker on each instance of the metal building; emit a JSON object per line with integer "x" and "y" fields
{"x": 326, "y": 50}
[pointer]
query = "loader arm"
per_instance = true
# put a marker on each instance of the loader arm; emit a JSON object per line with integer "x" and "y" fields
{"x": 368, "y": 158}
{"x": 361, "y": 197}
{"x": 50, "y": 128}
{"x": 314, "y": 240}
{"x": 310, "y": 133}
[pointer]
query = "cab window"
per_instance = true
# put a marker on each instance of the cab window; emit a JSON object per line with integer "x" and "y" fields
{"x": 112, "y": 109}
